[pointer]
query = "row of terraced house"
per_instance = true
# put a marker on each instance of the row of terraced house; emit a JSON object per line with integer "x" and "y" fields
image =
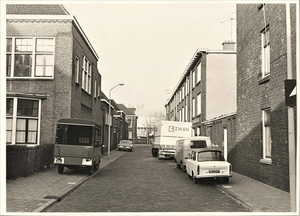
{"x": 236, "y": 95}
{"x": 51, "y": 73}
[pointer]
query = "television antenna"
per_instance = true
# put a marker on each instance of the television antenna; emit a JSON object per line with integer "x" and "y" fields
{"x": 231, "y": 19}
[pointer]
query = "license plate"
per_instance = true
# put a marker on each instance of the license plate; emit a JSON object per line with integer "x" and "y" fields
{"x": 214, "y": 171}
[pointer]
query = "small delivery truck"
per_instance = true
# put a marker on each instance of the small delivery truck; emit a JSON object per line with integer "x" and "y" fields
{"x": 184, "y": 147}
{"x": 165, "y": 137}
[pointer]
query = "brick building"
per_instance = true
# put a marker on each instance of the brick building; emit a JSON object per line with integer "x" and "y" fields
{"x": 131, "y": 119}
{"x": 51, "y": 73}
{"x": 261, "y": 148}
{"x": 206, "y": 90}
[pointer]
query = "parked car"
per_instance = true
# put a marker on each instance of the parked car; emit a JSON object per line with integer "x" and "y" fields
{"x": 125, "y": 145}
{"x": 208, "y": 163}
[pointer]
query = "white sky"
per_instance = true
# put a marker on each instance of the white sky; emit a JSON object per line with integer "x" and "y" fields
{"x": 147, "y": 45}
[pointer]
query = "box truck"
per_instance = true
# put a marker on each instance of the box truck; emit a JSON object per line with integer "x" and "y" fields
{"x": 165, "y": 137}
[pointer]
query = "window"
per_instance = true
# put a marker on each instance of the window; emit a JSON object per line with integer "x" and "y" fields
{"x": 199, "y": 72}
{"x": 183, "y": 114}
{"x": 186, "y": 113}
{"x": 30, "y": 57}
{"x": 199, "y": 104}
{"x": 86, "y": 75}
{"x": 99, "y": 89}
{"x": 22, "y": 121}
{"x": 95, "y": 88}
{"x": 193, "y": 80}
{"x": 188, "y": 86}
{"x": 194, "y": 108}
{"x": 77, "y": 69}
{"x": 265, "y": 33}
{"x": 180, "y": 98}
{"x": 266, "y": 127}
{"x": 182, "y": 92}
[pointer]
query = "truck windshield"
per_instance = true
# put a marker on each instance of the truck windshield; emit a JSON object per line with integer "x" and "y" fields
{"x": 74, "y": 135}
{"x": 198, "y": 144}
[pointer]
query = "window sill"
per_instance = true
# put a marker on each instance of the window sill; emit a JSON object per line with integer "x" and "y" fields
{"x": 266, "y": 161}
{"x": 77, "y": 83}
{"x": 29, "y": 78}
{"x": 264, "y": 80}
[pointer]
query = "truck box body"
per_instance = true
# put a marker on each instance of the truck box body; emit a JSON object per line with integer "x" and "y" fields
{"x": 166, "y": 135}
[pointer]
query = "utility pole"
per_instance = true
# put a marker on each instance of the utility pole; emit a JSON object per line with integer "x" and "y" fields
{"x": 291, "y": 119}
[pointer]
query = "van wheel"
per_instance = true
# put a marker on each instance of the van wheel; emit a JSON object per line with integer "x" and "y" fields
{"x": 60, "y": 169}
{"x": 183, "y": 169}
{"x": 91, "y": 170}
{"x": 96, "y": 166}
{"x": 154, "y": 152}
{"x": 178, "y": 165}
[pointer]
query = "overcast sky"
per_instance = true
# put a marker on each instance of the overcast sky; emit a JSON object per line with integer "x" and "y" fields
{"x": 147, "y": 45}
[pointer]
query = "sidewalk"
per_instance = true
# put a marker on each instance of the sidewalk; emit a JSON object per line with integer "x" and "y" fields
{"x": 37, "y": 192}
{"x": 255, "y": 195}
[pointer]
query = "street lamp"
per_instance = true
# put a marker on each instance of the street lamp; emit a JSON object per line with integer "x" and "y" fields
{"x": 110, "y": 119}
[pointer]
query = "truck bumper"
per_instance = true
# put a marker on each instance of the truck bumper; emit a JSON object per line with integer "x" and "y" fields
{"x": 166, "y": 154}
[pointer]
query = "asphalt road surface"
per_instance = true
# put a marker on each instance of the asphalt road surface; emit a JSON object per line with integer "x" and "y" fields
{"x": 137, "y": 182}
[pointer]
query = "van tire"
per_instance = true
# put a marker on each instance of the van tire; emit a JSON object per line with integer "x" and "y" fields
{"x": 91, "y": 170}
{"x": 154, "y": 152}
{"x": 60, "y": 169}
{"x": 178, "y": 165}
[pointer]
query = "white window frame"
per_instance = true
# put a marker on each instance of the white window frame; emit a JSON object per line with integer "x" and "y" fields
{"x": 265, "y": 52}
{"x": 186, "y": 113}
{"x": 33, "y": 54}
{"x": 95, "y": 88}
{"x": 199, "y": 72}
{"x": 77, "y": 69}
{"x": 194, "y": 108}
{"x": 15, "y": 117}
{"x": 266, "y": 136}
{"x": 194, "y": 79}
{"x": 99, "y": 90}
{"x": 199, "y": 104}
{"x": 86, "y": 74}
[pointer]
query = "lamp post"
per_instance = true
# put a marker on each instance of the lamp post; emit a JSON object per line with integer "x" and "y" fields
{"x": 110, "y": 119}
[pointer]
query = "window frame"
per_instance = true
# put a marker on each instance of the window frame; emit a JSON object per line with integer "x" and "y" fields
{"x": 33, "y": 53}
{"x": 265, "y": 52}
{"x": 86, "y": 72}
{"x": 266, "y": 136}
{"x": 15, "y": 117}
{"x": 198, "y": 104}
{"x": 198, "y": 73}
{"x": 77, "y": 66}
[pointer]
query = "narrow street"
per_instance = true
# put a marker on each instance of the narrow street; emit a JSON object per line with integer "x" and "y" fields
{"x": 137, "y": 182}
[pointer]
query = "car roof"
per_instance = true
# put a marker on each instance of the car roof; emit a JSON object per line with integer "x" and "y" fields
{"x": 196, "y": 138}
{"x": 207, "y": 149}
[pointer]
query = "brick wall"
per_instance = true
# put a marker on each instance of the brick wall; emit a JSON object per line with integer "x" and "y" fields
{"x": 255, "y": 94}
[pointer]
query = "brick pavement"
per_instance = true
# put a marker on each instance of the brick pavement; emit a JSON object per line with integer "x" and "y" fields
{"x": 36, "y": 192}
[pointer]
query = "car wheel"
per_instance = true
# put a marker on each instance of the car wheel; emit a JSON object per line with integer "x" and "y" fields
{"x": 60, "y": 169}
{"x": 195, "y": 180}
{"x": 226, "y": 180}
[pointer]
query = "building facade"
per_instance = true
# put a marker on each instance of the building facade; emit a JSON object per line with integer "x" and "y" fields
{"x": 51, "y": 73}
{"x": 131, "y": 119}
{"x": 261, "y": 149}
{"x": 207, "y": 88}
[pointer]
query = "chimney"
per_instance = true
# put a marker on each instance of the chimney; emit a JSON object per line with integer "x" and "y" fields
{"x": 228, "y": 45}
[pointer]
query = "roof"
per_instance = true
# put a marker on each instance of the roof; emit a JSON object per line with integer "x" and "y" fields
{"x": 126, "y": 110}
{"x": 36, "y": 9}
{"x": 75, "y": 121}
